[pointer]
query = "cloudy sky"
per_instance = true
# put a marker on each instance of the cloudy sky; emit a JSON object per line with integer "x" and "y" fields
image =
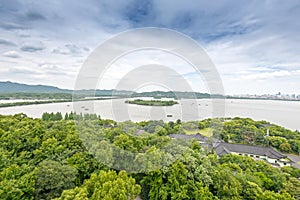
{"x": 255, "y": 45}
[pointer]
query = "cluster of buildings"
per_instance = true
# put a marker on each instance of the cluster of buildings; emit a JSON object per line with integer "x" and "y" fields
{"x": 267, "y": 154}
{"x": 278, "y": 96}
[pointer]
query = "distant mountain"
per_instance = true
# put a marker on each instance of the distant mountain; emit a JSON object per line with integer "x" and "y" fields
{"x": 10, "y": 87}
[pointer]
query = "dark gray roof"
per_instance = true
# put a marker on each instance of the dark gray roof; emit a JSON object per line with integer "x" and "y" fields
{"x": 226, "y": 148}
{"x": 223, "y": 148}
{"x": 212, "y": 144}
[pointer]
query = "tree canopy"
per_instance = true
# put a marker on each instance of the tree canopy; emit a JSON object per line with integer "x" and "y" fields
{"x": 52, "y": 158}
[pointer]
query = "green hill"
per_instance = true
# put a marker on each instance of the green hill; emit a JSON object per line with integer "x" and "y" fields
{"x": 10, "y": 87}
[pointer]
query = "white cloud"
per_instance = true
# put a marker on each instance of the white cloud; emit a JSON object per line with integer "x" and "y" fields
{"x": 32, "y": 47}
{"x": 71, "y": 49}
{"x": 12, "y": 54}
{"x": 247, "y": 41}
{"x": 7, "y": 43}
{"x": 271, "y": 75}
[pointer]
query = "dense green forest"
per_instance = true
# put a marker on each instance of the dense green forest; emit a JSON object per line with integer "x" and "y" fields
{"x": 46, "y": 159}
{"x": 151, "y": 102}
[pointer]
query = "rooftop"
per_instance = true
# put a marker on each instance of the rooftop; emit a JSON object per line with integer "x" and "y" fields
{"x": 225, "y": 148}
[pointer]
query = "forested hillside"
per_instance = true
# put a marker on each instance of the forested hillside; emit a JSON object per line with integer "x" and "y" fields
{"x": 46, "y": 159}
{"x": 10, "y": 87}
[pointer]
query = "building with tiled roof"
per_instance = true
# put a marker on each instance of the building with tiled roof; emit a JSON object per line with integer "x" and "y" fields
{"x": 257, "y": 152}
{"x": 222, "y": 148}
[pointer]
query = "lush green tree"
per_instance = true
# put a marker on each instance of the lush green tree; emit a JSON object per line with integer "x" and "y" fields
{"x": 295, "y": 145}
{"x": 52, "y": 116}
{"x": 294, "y": 172}
{"x": 47, "y": 158}
{"x": 269, "y": 195}
{"x": 251, "y": 191}
{"x": 17, "y": 182}
{"x": 187, "y": 178}
{"x": 276, "y": 141}
{"x": 105, "y": 185}
{"x": 203, "y": 193}
{"x": 85, "y": 164}
{"x": 292, "y": 187}
{"x": 52, "y": 178}
{"x": 225, "y": 185}
{"x": 285, "y": 147}
{"x": 202, "y": 125}
{"x": 125, "y": 142}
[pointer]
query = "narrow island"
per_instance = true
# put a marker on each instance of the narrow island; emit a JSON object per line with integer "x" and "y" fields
{"x": 26, "y": 103}
{"x": 151, "y": 102}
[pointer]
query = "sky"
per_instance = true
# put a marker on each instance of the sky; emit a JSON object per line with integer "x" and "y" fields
{"x": 255, "y": 45}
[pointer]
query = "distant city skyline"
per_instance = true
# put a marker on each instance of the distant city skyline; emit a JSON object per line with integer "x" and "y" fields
{"x": 254, "y": 44}
{"x": 271, "y": 96}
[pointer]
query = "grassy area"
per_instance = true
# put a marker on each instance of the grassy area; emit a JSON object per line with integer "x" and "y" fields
{"x": 208, "y": 132}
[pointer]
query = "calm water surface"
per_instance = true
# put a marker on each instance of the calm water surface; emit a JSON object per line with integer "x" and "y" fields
{"x": 284, "y": 113}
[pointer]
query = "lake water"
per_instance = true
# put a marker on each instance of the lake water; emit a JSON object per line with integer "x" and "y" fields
{"x": 284, "y": 113}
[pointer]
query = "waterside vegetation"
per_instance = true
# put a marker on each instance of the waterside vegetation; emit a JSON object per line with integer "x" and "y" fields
{"x": 152, "y": 102}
